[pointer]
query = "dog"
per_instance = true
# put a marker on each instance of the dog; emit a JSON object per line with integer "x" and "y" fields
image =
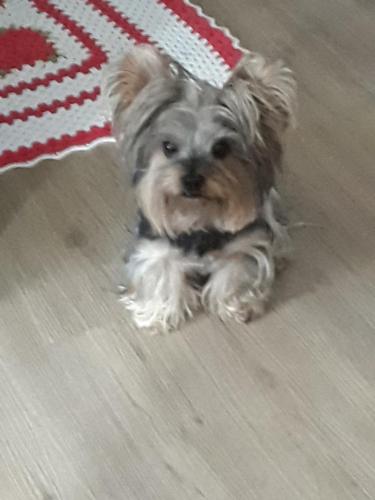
{"x": 203, "y": 162}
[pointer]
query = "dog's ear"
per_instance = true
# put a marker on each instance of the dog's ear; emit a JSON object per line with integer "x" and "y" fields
{"x": 126, "y": 79}
{"x": 261, "y": 97}
{"x": 137, "y": 89}
{"x": 268, "y": 89}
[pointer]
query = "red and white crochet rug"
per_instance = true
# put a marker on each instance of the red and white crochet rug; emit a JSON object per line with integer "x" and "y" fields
{"x": 51, "y": 57}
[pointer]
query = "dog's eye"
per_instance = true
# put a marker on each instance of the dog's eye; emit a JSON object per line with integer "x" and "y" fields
{"x": 220, "y": 149}
{"x": 169, "y": 148}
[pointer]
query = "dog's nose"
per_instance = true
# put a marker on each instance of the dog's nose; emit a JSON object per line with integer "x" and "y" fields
{"x": 192, "y": 184}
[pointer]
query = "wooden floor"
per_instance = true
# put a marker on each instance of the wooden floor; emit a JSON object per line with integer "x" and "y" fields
{"x": 282, "y": 409}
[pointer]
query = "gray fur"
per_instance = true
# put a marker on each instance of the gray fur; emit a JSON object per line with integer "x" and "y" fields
{"x": 176, "y": 106}
{"x": 154, "y": 100}
{"x": 184, "y": 112}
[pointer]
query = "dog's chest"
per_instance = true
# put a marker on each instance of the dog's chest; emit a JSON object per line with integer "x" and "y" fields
{"x": 198, "y": 243}
{"x": 201, "y": 242}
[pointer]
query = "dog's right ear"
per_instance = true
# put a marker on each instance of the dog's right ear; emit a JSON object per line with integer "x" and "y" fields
{"x": 127, "y": 78}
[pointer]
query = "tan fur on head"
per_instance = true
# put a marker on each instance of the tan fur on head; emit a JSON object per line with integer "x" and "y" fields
{"x": 232, "y": 184}
{"x": 159, "y": 197}
{"x": 228, "y": 202}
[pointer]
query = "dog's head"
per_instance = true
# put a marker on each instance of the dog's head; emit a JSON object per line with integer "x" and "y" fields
{"x": 200, "y": 156}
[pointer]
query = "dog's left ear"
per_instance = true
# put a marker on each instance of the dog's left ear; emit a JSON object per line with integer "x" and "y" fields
{"x": 266, "y": 89}
{"x": 261, "y": 96}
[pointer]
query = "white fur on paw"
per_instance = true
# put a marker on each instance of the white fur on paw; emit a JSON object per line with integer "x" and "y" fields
{"x": 239, "y": 288}
{"x": 161, "y": 298}
{"x": 161, "y": 314}
{"x": 242, "y": 309}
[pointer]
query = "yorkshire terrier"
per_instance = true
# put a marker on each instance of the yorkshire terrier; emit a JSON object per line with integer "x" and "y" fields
{"x": 203, "y": 161}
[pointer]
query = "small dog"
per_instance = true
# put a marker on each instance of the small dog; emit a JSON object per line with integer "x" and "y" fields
{"x": 203, "y": 162}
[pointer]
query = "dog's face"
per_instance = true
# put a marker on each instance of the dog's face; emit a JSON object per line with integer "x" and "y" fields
{"x": 201, "y": 156}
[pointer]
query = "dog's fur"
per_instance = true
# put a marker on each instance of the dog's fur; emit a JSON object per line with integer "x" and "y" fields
{"x": 214, "y": 242}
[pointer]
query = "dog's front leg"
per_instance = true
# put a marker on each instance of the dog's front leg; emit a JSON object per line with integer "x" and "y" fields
{"x": 158, "y": 294}
{"x": 241, "y": 278}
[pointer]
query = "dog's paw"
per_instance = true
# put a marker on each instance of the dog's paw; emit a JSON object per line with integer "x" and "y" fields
{"x": 160, "y": 316}
{"x": 239, "y": 288}
{"x": 242, "y": 307}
